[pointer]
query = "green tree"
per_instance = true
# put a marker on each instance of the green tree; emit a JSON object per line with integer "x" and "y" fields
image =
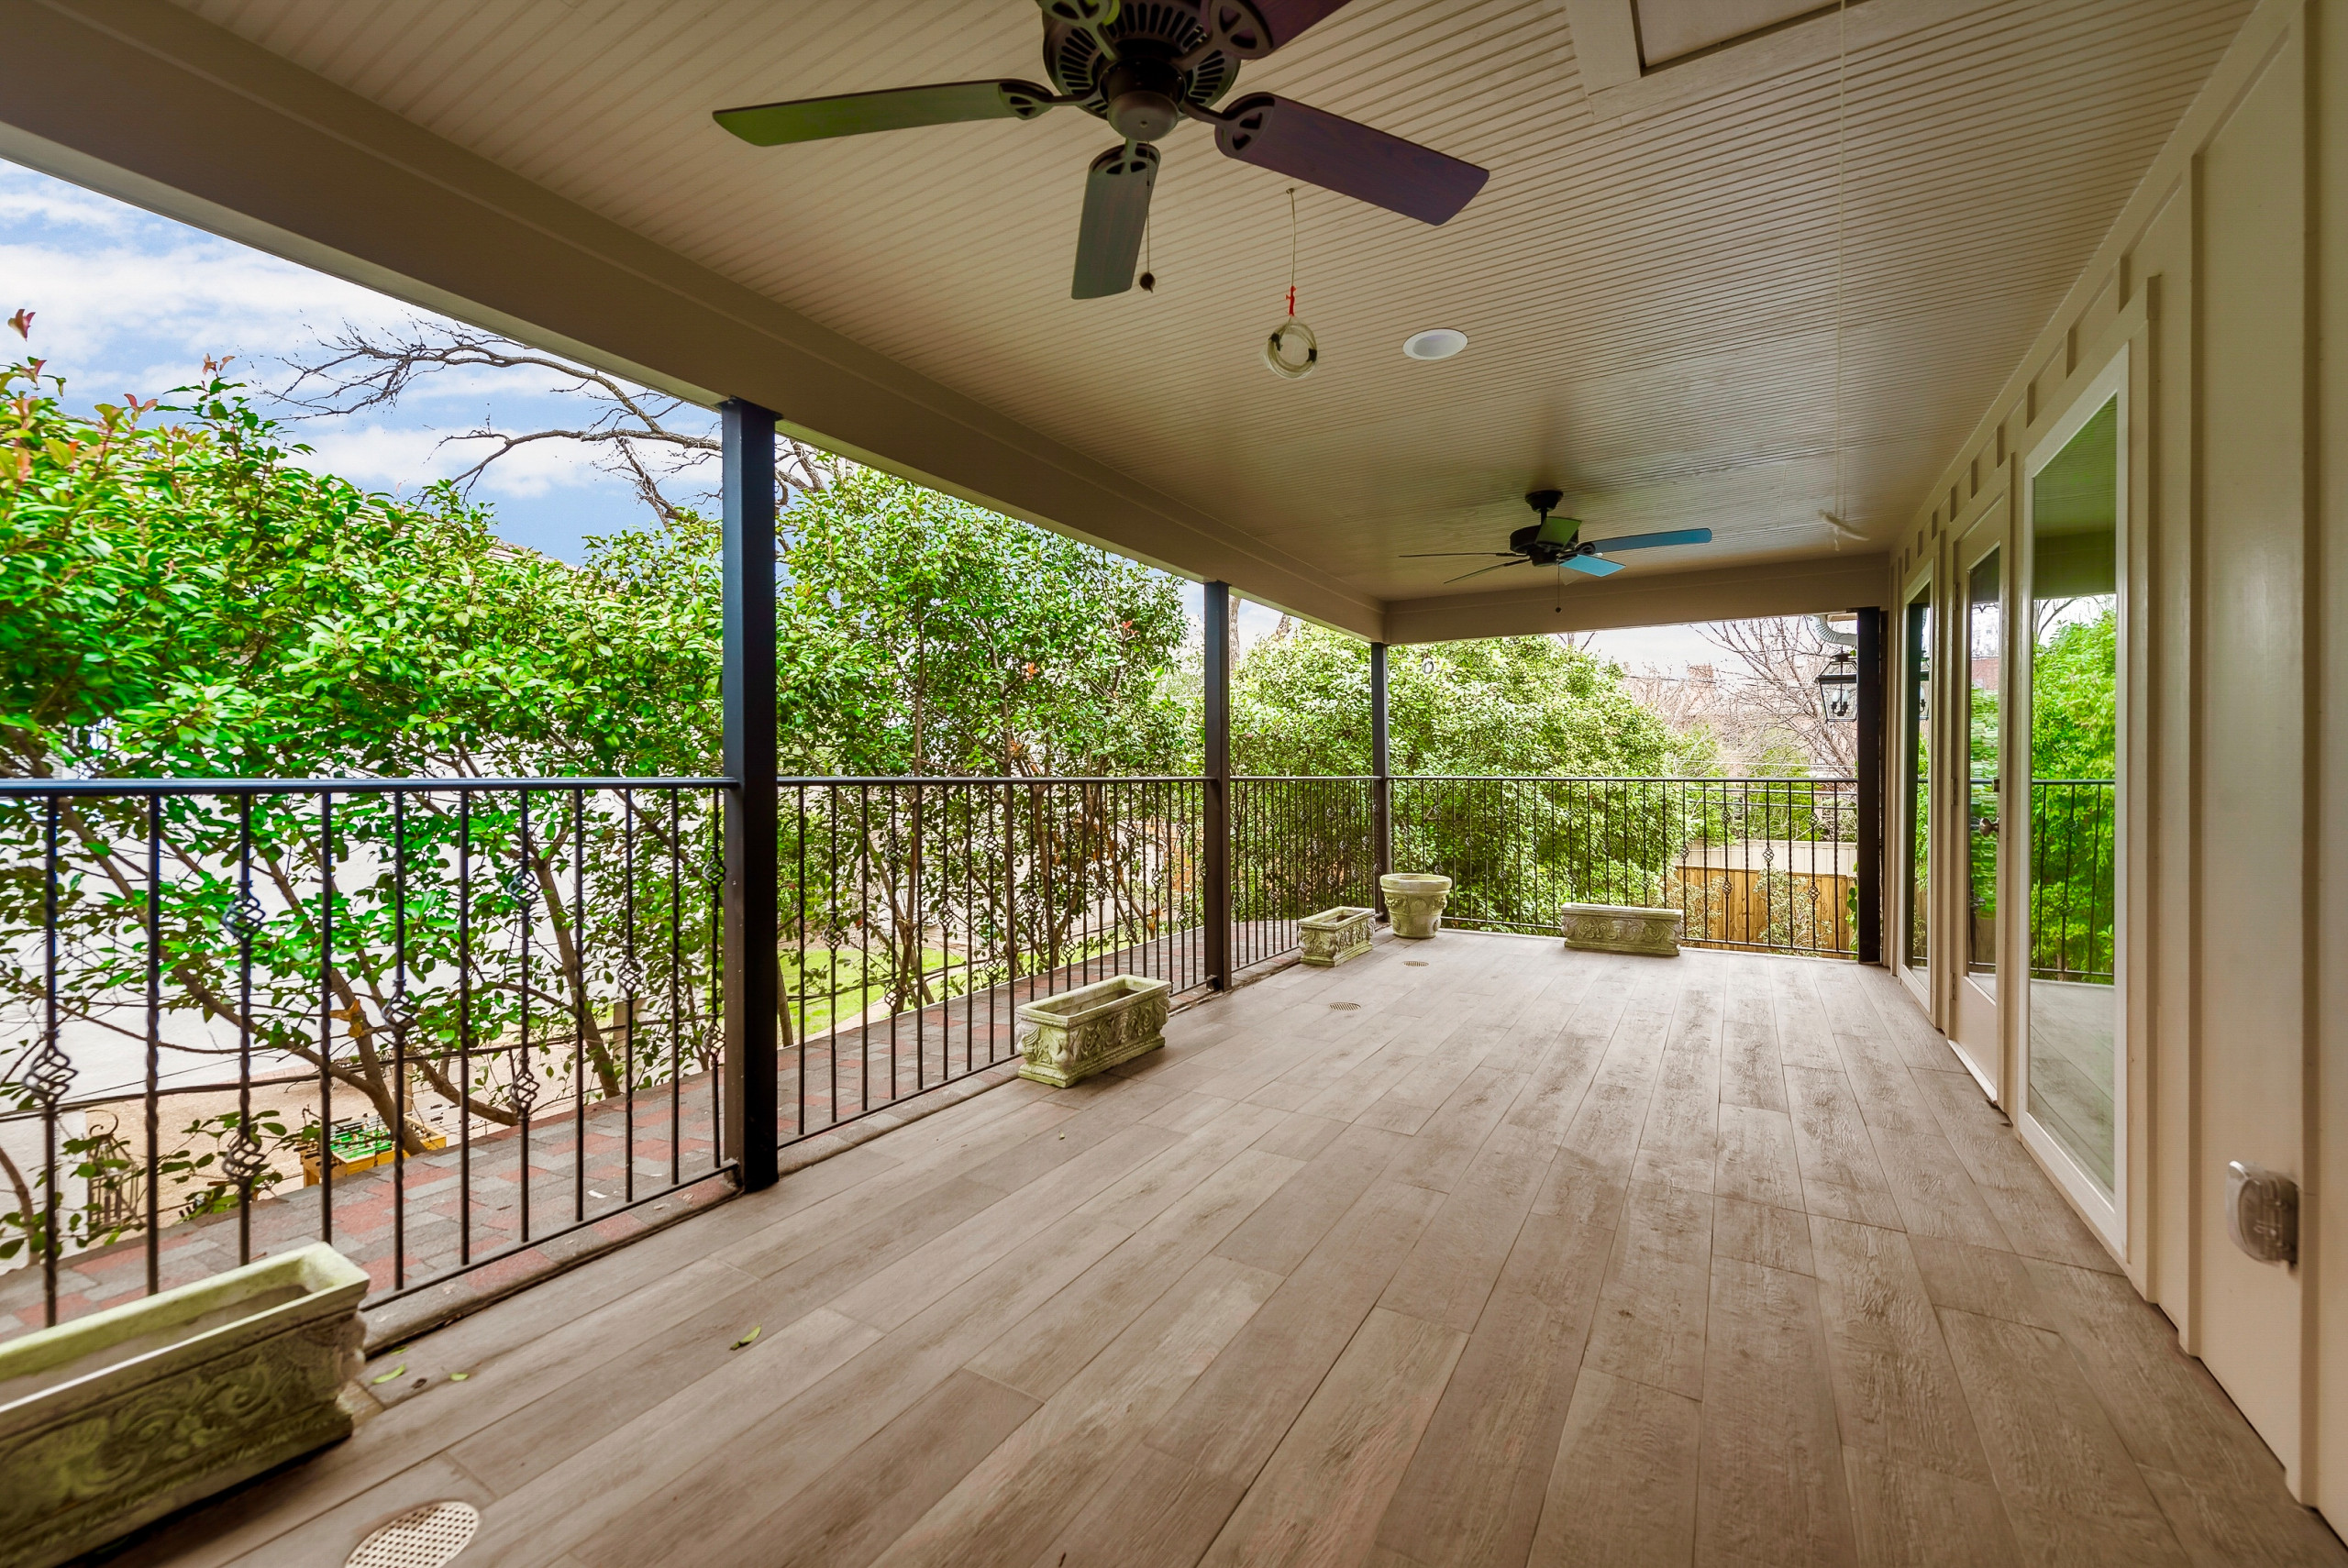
{"x": 179, "y": 597}
{"x": 1536, "y": 706}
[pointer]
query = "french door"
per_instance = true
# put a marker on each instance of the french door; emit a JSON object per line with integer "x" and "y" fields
{"x": 2070, "y": 954}
{"x": 1976, "y": 760}
{"x": 1911, "y": 943}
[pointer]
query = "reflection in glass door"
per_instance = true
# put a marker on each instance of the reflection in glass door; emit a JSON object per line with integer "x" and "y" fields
{"x": 1984, "y": 641}
{"x": 1916, "y": 665}
{"x": 2073, "y": 795}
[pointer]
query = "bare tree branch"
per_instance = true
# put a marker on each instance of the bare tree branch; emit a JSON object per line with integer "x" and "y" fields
{"x": 1779, "y": 684}
{"x": 666, "y": 449}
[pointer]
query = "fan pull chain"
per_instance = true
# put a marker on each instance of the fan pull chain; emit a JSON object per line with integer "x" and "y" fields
{"x": 1291, "y": 251}
{"x": 1841, "y": 144}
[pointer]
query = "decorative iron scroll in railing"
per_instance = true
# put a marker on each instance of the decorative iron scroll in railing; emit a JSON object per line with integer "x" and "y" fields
{"x": 1766, "y": 864}
{"x": 1298, "y": 846}
{"x": 917, "y": 914}
{"x": 439, "y": 1024}
{"x": 2072, "y": 883}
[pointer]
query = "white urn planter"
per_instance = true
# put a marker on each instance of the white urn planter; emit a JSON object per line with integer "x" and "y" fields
{"x": 119, "y": 1417}
{"x": 1414, "y": 902}
{"x": 1622, "y": 928}
{"x": 1333, "y": 936}
{"x": 1068, "y": 1038}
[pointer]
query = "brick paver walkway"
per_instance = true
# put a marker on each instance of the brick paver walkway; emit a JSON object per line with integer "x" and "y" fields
{"x": 437, "y": 1224}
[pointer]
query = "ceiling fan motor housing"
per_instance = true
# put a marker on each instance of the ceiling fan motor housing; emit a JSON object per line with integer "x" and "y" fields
{"x": 1133, "y": 84}
{"x": 1527, "y": 542}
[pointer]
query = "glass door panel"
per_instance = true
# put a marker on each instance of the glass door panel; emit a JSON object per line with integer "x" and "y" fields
{"x": 1984, "y": 636}
{"x": 1917, "y": 718}
{"x": 2073, "y": 795}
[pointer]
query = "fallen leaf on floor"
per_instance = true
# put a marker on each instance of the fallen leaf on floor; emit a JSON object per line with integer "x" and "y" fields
{"x": 458, "y": 1377}
{"x": 746, "y": 1339}
{"x": 389, "y": 1375}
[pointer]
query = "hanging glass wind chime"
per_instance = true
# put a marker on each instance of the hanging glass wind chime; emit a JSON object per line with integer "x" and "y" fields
{"x": 1291, "y": 350}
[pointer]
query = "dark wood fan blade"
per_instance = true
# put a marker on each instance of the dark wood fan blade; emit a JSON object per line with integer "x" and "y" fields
{"x": 898, "y": 108}
{"x": 1276, "y": 22}
{"x": 1117, "y": 206}
{"x": 1481, "y": 570}
{"x": 1347, "y": 156}
{"x": 1439, "y": 554}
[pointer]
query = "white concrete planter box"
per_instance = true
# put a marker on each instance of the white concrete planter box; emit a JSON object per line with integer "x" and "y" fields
{"x": 1068, "y": 1038}
{"x": 1622, "y": 928}
{"x": 1414, "y": 902}
{"x": 119, "y": 1417}
{"x": 1334, "y": 936}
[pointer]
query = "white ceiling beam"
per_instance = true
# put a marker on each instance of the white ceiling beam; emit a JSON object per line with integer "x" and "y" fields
{"x": 1661, "y": 599}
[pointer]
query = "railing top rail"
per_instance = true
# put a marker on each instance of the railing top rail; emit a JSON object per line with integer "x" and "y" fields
{"x": 1037, "y": 778}
{"x": 1605, "y": 779}
{"x": 44, "y": 787}
{"x": 40, "y": 787}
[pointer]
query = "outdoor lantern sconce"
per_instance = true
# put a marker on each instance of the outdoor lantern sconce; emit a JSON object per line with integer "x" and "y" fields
{"x": 1838, "y": 688}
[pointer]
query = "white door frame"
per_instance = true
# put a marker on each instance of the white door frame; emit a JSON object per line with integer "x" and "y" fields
{"x": 1976, "y": 1023}
{"x": 2107, "y": 1211}
{"x": 1925, "y": 581}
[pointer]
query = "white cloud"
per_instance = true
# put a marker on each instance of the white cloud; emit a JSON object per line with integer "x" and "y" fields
{"x": 386, "y": 456}
{"x": 125, "y": 300}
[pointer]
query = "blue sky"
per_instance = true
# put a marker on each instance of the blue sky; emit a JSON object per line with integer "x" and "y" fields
{"x": 126, "y": 301}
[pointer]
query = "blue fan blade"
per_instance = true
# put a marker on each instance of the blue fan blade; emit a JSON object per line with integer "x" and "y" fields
{"x": 1591, "y": 565}
{"x": 1656, "y": 541}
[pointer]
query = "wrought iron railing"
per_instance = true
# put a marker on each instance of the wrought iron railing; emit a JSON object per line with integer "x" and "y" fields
{"x": 1298, "y": 846}
{"x": 439, "y": 1022}
{"x": 452, "y": 1023}
{"x": 2072, "y": 883}
{"x": 918, "y": 914}
{"x": 1755, "y": 864}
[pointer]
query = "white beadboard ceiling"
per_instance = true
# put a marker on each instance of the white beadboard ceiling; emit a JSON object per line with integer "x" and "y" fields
{"x": 1649, "y": 297}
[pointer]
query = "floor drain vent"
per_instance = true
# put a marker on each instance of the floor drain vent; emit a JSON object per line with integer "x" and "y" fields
{"x": 1344, "y": 1006}
{"x": 423, "y": 1536}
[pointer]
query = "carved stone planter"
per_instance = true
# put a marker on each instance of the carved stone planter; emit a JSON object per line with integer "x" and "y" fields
{"x": 1068, "y": 1038}
{"x": 119, "y": 1417}
{"x": 1622, "y": 928}
{"x": 1414, "y": 902}
{"x": 1334, "y": 936}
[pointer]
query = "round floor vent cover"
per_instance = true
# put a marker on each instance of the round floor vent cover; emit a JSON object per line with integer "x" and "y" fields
{"x": 424, "y": 1537}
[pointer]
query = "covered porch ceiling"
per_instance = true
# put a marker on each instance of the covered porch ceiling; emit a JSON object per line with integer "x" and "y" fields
{"x": 1648, "y": 281}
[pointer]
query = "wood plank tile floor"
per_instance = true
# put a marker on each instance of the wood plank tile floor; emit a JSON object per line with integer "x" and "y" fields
{"x": 1471, "y": 1251}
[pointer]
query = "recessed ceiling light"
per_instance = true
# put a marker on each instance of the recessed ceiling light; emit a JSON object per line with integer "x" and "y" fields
{"x": 1435, "y": 343}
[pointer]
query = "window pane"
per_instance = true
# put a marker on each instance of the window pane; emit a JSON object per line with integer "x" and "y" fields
{"x": 1919, "y": 720}
{"x": 1984, "y": 636}
{"x": 2074, "y": 791}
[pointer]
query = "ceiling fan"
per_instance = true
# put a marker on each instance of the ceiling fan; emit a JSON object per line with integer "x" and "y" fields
{"x": 1558, "y": 542}
{"x": 1145, "y": 66}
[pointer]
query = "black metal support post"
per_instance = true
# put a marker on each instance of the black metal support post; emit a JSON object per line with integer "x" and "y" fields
{"x": 1872, "y": 713}
{"x": 1381, "y": 798}
{"x": 1217, "y": 852}
{"x": 753, "y": 980}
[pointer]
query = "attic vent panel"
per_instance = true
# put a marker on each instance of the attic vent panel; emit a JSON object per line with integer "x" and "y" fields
{"x": 1673, "y": 29}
